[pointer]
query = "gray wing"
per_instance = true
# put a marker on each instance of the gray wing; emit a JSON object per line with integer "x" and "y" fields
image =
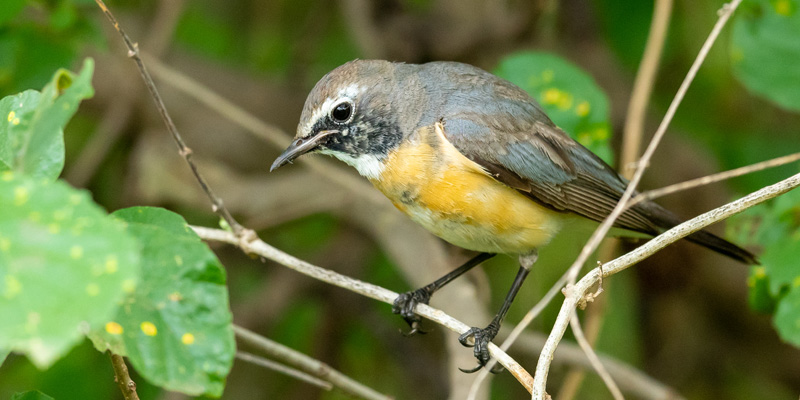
{"x": 517, "y": 143}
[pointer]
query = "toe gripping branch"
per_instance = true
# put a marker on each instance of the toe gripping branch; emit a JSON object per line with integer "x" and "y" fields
{"x": 405, "y": 303}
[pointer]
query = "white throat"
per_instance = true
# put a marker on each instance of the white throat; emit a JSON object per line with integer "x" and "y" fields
{"x": 369, "y": 166}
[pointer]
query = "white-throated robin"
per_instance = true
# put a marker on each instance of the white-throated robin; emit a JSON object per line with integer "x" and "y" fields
{"x": 475, "y": 160}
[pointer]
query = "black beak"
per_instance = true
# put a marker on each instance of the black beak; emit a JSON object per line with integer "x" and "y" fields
{"x": 299, "y": 147}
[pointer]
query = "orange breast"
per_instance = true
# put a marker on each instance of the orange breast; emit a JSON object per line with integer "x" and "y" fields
{"x": 454, "y": 198}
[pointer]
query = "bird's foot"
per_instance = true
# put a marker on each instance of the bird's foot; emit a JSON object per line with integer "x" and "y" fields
{"x": 404, "y": 305}
{"x": 481, "y": 339}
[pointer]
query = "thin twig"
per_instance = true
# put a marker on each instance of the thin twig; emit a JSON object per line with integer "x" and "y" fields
{"x": 126, "y": 385}
{"x": 574, "y": 293}
{"x": 643, "y": 85}
{"x": 631, "y": 380}
{"x": 308, "y": 364}
{"x": 720, "y": 176}
{"x": 280, "y": 368}
{"x": 593, "y": 359}
{"x": 185, "y": 151}
{"x": 258, "y": 247}
{"x": 542, "y": 367}
{"x": 251, "y": 124}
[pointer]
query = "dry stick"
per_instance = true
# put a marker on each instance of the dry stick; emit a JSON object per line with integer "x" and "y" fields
{"x": 308, "y": 364}
{"x": 121, "y": 108}
{"x": 542, "y": 366}
{"x": 575, "y": 293}
{"x": 631, "y": 380}
{"x": 280, "y": 368}
{"x": 185, "y": 151}
{"x": 643, "y": 85}
{"x": 123, "y": 378}
{"x": 593, "y": 358}
{"x": 631, "y": 143}
{"x": 705, "y": 180}
{"x": 259, "y": 247}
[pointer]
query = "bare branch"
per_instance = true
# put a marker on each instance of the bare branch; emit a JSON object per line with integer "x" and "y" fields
{"x": 574, "y": 293}
{"x": 259, "y": 247}
{"x": 721, "y": 176}
{"x": 126, "y": 385}
{"x": 277, "y": 367}
{"x": 643, "y": 85}
{"x": 185, "y": 151}
{"x": 308, "y": 364}
{"x": 575, "y": 323}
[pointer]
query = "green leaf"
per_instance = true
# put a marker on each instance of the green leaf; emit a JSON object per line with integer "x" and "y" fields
{"x": 31, "y": 128}
{"x": 10, "y": 9}
{"x": 64, "y": 266}
{"x": 760, "y": 298}
{"x": 765, "y": 50}
{"x": 787, "y": 317}
{"x": 570, "y": 97}
{"x": 3, "y": 355}
{"x": 31, "y": 395}
{"x": 176, "y": 329}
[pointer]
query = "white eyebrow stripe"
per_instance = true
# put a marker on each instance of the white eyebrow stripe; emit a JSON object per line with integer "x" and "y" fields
{"x": 347, "y": 93}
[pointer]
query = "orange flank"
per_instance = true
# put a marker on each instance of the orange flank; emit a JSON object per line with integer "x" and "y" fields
{"x": 457, "y": 200}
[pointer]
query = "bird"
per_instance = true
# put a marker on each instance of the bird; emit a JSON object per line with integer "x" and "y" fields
{"x": 476, "y": 161}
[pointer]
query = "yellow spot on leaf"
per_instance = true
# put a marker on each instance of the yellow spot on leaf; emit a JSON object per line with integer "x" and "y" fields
{"x": 600, "y": 133}
{"x": 92, "y": 289}
{"x": 76, "y": 252}
{"x": 760, "y": 272}
{"x": 11, "y": 116}
{"x": 54, "y": 228}
{"x": 796, "y": 282}
{"x": 559, "y": 98}
{"x": 21, "y": 195}
{"x": 148, "y": 328}
{"x": 175, "y": 296}
{"x": 5, "y": 244}
{"x": 187, "y": 339}
{"x": 114, "y": 328}
{"x": 74, "y": 199}
{"x": 13, "y": 287}
{"x": 15, "y": 121}
{"x": 112, "y": 264}
{"x": 178, "y": 260}
{"x": 128, "y": 285}
{"x": 783, "y": 7}
{"x": 583, "y": 109}
{"x": 7, "y": 176}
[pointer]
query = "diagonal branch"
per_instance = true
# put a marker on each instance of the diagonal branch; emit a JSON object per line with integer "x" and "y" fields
{"x": 185, "y": 151}
{"x": 259, "y": 247}
{"x": 280, "y": 368}
{"x": 575, "y": 293}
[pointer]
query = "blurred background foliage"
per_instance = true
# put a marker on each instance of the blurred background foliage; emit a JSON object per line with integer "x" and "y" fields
{"x": 682, "y": 316}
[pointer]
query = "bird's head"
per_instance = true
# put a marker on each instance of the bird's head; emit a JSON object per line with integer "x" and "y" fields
{"x": 351, "y": 115}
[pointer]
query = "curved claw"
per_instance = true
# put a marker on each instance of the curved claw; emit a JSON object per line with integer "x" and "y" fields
{"x": 481, "y": 339}
{"x": 404, "y": 305}
{"x": 471, "y": 371}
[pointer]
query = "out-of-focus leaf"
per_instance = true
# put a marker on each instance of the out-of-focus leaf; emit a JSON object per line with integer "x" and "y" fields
{"x": 570, "y": 97}
{"x": 787, "y": 316}
{"x": 176, "y": 329}
{"x": 760, "y": 298}
{"x": 765, "y": 50}
{"x": 31, "y": 395}
{"x": 31, "y": 128}
{"x": 10, "y": 9}
{"x": 64, "y": 265}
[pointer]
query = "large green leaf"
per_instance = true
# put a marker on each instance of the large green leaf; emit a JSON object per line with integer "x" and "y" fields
{"x": 176, "y": 329}
{"x": 765, "y": 50}
{"x": 775, "y": 285}
{"x": 64, "y": 266}
{"x": 570, "y": 97}
{"x": 10, "y": 9}
{"x": 31, "y": 128}
{"x": 31, "y": 395}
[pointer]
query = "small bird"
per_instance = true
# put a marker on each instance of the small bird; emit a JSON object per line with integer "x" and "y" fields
{"x": 476, "y": 161}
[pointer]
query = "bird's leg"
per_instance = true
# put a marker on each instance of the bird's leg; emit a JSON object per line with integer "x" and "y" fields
{"x": 405, "y": 303}
{"x": 482, "y": 337}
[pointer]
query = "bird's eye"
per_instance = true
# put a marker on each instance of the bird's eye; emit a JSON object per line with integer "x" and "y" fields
{"x": 341, "y": 113}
